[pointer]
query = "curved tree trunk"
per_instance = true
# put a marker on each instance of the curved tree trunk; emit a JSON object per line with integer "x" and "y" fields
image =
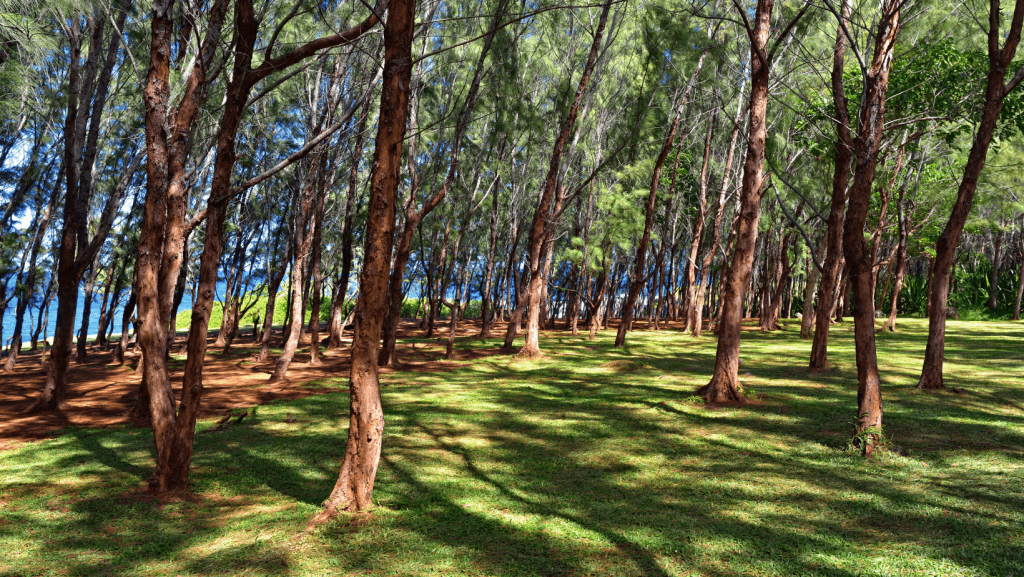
{"x": 354, "y": 488}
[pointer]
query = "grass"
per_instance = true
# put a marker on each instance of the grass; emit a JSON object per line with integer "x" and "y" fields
{"x": 591, "y": 461}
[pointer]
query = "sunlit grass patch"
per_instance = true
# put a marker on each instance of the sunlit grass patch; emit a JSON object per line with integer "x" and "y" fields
{"x": 590, "y": 460}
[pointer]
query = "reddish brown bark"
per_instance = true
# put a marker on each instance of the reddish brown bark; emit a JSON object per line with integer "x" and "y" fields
{"x": 696, "y": 307}
{"x": 829, "y": 280}
{"x": 160, "y": 246}
{"x": 858, "y": 259}
{"x": 725, "y": 385}
{"x": 542, "y": 219}
{"x": 354, "y": 488}
{"x": 76, "y": 251}
{"x": 999, "y": 60}
{"x": 337, "y": 324}
{"x": 413, "y": 218}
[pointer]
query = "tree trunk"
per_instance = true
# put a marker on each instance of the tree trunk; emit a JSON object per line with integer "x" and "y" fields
{"x": 945, "y": 247}
{"x": 337, "y": 326}
{"x": 901, "y": 262}
{"x": 993, "y": 285}
{"x": 858, "y": 261}
{"x": 1020, "y": 290}
{"x": 694, "y": 325}
{"x": 308, "y": 208}
{"x": 486, "y": 315}
{"x": 354, "y": 488}
{"x": 810, "y": 289}
{"x": 641, "y": 250}
{"x": 543, "y": 224}
{"x": 81, "y": 144}
{"x": 314, "y": 296}
{"x": 29, "y": 283}
{"x": 725, "y": 385}
{"x": 698, "y": 228}
{"x": 83, "y": 331}
{"x": 829, "y": 281}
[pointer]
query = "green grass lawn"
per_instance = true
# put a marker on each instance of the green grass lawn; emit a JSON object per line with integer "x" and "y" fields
{"x": 592, "y": 461}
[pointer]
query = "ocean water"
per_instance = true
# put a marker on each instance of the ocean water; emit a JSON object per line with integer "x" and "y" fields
{"x": 32, "y": 315}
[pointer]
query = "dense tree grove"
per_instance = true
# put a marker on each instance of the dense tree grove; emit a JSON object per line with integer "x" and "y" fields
{"x": 542, "y": 165}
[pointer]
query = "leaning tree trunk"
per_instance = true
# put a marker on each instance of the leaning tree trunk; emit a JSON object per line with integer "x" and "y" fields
{"x": 543, "y": 224}
{"x": 29, "y": 284}
{"x": 725, "y": 384}
{"x": 354, "y": 488}
{"x": 999, "y": 60}
{"x": 828, "y": 283}
{"x": 641, "y": 250}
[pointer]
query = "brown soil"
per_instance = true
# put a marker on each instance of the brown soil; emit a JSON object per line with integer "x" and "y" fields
{"x": 102, "y": 394}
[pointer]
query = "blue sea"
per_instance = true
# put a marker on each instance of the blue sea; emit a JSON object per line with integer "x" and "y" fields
{"x": 94, "y": 315}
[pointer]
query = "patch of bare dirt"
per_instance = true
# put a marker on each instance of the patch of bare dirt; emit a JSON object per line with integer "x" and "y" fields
{"x": 102, "y": 394}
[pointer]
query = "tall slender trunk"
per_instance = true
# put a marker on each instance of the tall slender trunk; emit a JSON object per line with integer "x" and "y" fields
{"x": 774, "y": 311}
{"x": 413, "y": 218}
{"x": 83, "y": 331}
{"x": 314, "y": 296}
{"x": 543, "y": 222}
{"x": 901, "y": 262}
{"x": 337, "y": 325}
{"x": 273, "y": 286}
{"x": 695, "y": 325}
{"x": 810, "y": 289}
{"x": 993, "y": 285}
{"x": 29, "y": 283}
{"x": 858, "y": 261}
{"x": 486, "y": 315}
{"x": 110, "y": 294}
{"x": 697, "y": 233}
{"x": 354, "y": 488}
{"x": 725, "y": 384}
{"x": 75, "y": 250}
{"x": 828, "y": 283}
{"x": 999, "y": 60}
{"x": 309, "y": 208}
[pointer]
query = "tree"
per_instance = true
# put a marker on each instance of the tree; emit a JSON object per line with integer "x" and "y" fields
{"x": 996, "y": 91}
{"x": 354, "y": 489}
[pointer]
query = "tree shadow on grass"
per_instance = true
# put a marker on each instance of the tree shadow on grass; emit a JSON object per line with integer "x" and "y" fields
{"x": 556, "y": 468}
